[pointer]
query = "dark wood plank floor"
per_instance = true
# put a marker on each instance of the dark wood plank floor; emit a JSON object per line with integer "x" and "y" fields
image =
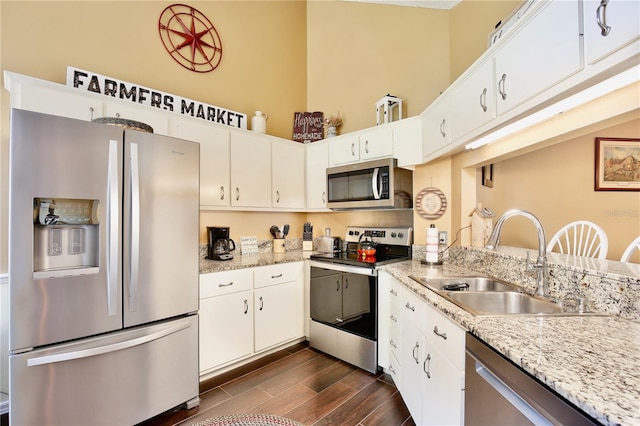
{"x": 302, "y": 384}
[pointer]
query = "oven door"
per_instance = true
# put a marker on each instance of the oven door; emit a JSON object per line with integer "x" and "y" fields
{"x": 345, "y": 297}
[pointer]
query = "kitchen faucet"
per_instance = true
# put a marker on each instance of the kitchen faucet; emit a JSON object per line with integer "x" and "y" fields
{"x": 540, "y": 265}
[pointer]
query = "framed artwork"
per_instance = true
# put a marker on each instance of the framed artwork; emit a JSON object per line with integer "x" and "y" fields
{"x": 617, "y": 164}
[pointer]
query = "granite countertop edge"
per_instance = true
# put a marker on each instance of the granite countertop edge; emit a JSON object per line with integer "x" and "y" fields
{"x": 592, "y": 361}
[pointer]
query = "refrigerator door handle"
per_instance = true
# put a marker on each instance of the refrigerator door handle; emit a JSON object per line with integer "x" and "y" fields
{"x": 113, "y": 228}
{"x": 86, "y": 353}
{"x": 135, "y": 228}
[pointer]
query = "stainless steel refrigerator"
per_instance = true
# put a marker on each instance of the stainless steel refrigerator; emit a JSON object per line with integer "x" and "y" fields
{"x": 103, "y": 272}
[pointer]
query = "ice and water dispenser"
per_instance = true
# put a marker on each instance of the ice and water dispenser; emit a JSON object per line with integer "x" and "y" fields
{"x": 66, "y": 237}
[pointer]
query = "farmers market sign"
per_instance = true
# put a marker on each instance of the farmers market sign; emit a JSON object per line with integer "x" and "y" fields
{"x": 137, "y": 94}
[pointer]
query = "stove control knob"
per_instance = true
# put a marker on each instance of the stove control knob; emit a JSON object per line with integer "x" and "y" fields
{"x": 350, "y": 232}
{"x": 400, "y": 235}
{"x": 393, "y": 235}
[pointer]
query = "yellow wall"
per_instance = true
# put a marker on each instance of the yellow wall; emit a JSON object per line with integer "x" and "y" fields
{"x": 557, "y": 185}
{"x": 357, "y": 53}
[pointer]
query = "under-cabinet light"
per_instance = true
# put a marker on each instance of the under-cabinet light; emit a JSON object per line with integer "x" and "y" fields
{"x": 596, "y": 91}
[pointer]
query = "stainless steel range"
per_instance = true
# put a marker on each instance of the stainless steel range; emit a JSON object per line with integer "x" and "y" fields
{"x": 344, "y": 293}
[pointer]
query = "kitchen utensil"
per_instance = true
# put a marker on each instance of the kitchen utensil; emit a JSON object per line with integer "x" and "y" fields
{"x": 274, "y": 231}
{"x": 285, "y": 230}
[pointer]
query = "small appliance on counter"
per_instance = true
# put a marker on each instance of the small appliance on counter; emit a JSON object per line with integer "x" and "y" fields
{"x": 329, "y": 244}
{"x": 220, "y": 245}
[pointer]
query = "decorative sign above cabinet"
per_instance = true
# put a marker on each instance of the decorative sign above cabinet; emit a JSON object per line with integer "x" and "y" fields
{"x": 190, "y": 38}
{"x": 308, "y": 126}
{"x": 137, "y": 94}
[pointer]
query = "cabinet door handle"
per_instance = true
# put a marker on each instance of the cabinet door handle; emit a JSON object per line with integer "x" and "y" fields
{"x": 222, "y": 192}
{"x": 437, "y": 333}
{"x": 337, "y": 285}
{"x": 366, "y": 146}
{"x": 393, "y": 318}
{"x": 392, "y": 369}
{"x": 323, "y": 195}
{"x": 346, "y": 283}
{"x": 392, "y": 343}
{"x": 353, "y": 149}
{"x": 277, "y": 196}
{"x": 394, "y": 292}
{"x": 601, "y": 18}
{"x": 273, "y": 277}
{"x": 483, "y": 100}
{"x": 246, "y": 306}
{"x": 426, "y": 366}
{"x": 230, "y": 283}
{"x": 408, "y": 306}
{"x": 502, "y": 87}
{"x": 415, "y": 349}
{"x": 442, "y": 131}
{"x": 237, "y": 193}
{"x": 261, "y": 303}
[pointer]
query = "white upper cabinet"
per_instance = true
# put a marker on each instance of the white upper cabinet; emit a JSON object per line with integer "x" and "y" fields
{"x": 437, "y": 128}
{"x": 287, "y": 165}
{"x": 214, "y": 160}
{"x": 317, "y": 161}
{"x": 540, "y": 53}
{"x": 250, "y": 170}
{"x": 609, "y": 26}
{"x": 473, "y": 100}
{"x": 407, "y": 141}
{"x": 344, "y": 149}
{"x": 376, "y": 142}
{"x": 57, "y": 102}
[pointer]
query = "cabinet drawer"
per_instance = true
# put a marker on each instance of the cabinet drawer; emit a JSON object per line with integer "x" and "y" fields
{"x": 413, "y": 309}
{"x": 394, "y": 369}
{"x": 277, "y": 274}
{"x": 440, "y": 326}
{"x": 218, "y": 283}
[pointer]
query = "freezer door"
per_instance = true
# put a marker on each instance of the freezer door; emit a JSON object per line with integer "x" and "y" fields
{"x": 118, "y": 379}
{"x": 161, "y": 227}
{"x": 51, "y": 300}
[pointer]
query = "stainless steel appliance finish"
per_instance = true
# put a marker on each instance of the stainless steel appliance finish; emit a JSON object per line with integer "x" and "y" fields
{"x": 377, "y": 184}
{"x": 499, "y": 393}
{"x": 117, "y": 319}
{"x": 344, "y": 295}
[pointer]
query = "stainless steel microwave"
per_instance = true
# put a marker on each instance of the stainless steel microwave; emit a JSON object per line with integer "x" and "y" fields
{"x": 377, "y": 184}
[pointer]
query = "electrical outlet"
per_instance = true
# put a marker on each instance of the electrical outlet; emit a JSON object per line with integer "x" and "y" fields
{"x": 442, "y": 238}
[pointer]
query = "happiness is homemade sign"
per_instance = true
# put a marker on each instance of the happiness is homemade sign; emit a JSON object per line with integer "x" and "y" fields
{"x": 308, "y": 126}
{"x": 134, "y": 93}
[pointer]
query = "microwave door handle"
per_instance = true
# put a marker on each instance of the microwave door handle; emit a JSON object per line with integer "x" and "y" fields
{"x": 375, "y": 181}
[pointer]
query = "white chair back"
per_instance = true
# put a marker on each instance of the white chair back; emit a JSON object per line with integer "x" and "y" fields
{"x": 635, "y": 245}
{"x": 580, "y": 238}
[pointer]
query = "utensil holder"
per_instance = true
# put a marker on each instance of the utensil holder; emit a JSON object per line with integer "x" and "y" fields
{"x": 278, "y": 245}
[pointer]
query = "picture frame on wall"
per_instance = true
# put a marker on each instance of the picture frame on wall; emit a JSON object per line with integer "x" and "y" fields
{"x": 617, "y": 165}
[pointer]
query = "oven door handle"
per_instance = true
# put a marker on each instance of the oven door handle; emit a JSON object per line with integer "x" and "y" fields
{"x": 375, "y": 183}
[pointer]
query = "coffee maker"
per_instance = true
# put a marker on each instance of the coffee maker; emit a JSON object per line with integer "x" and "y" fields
{"x": 220, "y": 245}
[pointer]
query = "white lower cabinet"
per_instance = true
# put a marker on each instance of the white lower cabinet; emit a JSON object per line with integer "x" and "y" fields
{"x": 429, "y": 368}
{"x": 226, "y": 329}
{"x": 246, "y": 311}
{"x": 276, "y": 314}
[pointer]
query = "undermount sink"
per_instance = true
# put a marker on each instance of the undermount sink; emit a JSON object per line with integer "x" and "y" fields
{"x": 503, "y": 303}
{"x": 485, "y": 296}
{"x": 464, "y": 283}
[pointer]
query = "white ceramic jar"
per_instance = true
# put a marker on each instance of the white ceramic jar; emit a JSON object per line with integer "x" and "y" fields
{"x": 259, "y": 122}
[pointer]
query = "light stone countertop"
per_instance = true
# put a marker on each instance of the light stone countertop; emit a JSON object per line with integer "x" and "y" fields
{"x": 592, "y": 361}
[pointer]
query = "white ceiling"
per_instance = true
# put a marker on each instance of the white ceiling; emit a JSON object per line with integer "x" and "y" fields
{"x": 430, "y": 4}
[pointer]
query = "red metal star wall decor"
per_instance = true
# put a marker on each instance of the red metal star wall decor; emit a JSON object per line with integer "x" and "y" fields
{"x": 190, "y": 38}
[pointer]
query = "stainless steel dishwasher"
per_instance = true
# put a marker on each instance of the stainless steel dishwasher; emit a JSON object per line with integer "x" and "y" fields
{"x": 497, "y": 392}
